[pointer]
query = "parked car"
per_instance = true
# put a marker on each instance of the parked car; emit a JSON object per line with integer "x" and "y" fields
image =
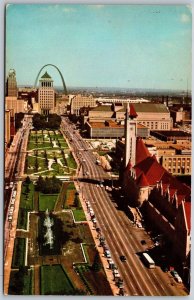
{"x": 107, "y": 253}
{"x": 143, "y": 242}
{"x": 165, "y": 268}
{"x": 139, "y": 225}
{"x": 123, "y": 258}
{"x": 178, "y": 279}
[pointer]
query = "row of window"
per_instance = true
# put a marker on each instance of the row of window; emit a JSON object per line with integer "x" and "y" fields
{"x": 46, "y": 93}
{"x": 155, "y": 125}
{"x": 179, "y": 171}
{"x": 179, "y": 158}
{"x": 44, "y": 98}
{"x": 46, "y": 84}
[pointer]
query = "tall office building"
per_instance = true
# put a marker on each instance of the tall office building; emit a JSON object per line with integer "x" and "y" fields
{"x": 11, "y": 88}
{"x": 46, "y": 95}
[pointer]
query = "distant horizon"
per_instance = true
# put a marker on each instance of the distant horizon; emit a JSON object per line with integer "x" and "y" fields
{"x": 113, "y": 88}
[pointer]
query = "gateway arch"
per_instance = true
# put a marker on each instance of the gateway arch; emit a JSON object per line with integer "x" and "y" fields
{"x": 62, "y": 79}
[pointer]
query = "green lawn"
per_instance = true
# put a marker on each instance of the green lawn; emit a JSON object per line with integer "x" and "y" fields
{"x": 32, "y": 144}
{"x": 71, "y": 186}
{"x": 26, "y": 204}
{"x": 79, "y": 215}
{"x": 63, "y": 144}
{"x": 54, "y": 281}
{"x": 22, "y": 219}
{"x": 71, "y": 162}
{"x": 19, "y": 252}
{"x": 47, "y": 201}
{"x": 15, "y": 289}
{"x": 27, "y": 199}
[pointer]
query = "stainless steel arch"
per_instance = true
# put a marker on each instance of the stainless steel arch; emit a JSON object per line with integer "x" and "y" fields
{"x": 63, "y": 81}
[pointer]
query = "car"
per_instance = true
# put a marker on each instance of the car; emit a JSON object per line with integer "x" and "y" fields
{"x": 107, "y": 253}
{"x": 139, "y": 225}
{"x": 143, "y": 242}
{"x": 174, "y": 273}
{"x": 123, "y": 258}
{"x": 165, "y": 269}
{"x": 178, "y": 279}
{"x": 115, "y": 272}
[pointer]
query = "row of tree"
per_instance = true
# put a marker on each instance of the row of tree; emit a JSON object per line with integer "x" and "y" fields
{"x": 48, "y": 185}
{"x": 52, "y": 121}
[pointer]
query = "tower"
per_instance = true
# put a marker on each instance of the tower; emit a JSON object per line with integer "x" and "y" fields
{"x": 130, "y": 135}
{"x": 11, "y": 88}
{"x": 46, "y": 94}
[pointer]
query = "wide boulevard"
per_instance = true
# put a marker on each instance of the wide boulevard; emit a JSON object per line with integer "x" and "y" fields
{"x": 121, "y": 236}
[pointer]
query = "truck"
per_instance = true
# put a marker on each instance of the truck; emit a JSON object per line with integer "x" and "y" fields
{"x": 148, "y": 260}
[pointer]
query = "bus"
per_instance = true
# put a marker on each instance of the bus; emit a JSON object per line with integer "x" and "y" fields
{"x": 148, "y": 260}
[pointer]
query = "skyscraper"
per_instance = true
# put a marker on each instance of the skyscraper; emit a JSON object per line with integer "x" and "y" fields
{"x": 11, "y": 87}
{"x": 46, "y": 95}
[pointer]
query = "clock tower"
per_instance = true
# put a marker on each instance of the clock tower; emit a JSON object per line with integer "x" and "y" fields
{"x": 130, "y": 135}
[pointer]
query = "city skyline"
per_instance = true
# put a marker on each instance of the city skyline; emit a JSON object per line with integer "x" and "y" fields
{"x": 121, "y": 46}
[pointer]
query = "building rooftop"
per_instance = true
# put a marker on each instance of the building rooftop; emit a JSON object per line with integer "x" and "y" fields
{"x": 142, "y": 180}
{"x": 173, "y": 133}
{"x": 46, "y": 76}
{"x": 141, "y": 151}
{"x": 150, "y": 107}
{"x": 105, "y": 124}
{"x": 102, "y": 108}
{"x": 132, "y": 112}
{"x": 187, "y": 208}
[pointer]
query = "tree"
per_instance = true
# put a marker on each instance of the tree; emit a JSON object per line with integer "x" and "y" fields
{"x": 27, "y": 189}
{"x": 76, "y": 200}
{"x": 18, "y": 118}
{"x": 97, "y": 263}
{"x": 39, "y": 183}
{"x": 27, "y": 180}
{"x": 131, "y": 192}
{"x": 36, "y": 165}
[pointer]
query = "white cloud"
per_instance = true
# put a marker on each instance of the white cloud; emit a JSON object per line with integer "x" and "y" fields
{"x": 185, "y": 18}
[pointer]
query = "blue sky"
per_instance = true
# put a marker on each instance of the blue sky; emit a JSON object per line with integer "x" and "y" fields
{"x": 131, "y": 46}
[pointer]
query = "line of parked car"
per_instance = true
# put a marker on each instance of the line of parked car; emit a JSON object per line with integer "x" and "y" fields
{"x": 11, "y": 206}
{"x": 117, "y": 278}
{"x": 176, "y": 276}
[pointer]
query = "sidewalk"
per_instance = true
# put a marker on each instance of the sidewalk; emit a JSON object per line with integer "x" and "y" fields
{"x": 10, "y": 248}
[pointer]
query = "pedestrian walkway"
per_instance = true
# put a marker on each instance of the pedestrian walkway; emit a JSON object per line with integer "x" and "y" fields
{"x": 36, "y": 280}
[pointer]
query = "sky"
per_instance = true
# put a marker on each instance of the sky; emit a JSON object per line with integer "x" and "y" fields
{"x": 124, "y": 46}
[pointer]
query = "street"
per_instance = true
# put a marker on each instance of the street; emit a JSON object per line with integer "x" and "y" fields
{"x": 120, "y": 236}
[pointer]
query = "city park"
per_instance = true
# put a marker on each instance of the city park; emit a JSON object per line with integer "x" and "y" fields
{"x": 54, "y": 251}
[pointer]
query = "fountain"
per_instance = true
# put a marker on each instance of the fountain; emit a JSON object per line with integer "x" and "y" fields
{"x": 48, "y": 223}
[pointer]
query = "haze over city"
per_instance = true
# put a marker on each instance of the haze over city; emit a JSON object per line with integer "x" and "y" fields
{"x": 119, "y": 46}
